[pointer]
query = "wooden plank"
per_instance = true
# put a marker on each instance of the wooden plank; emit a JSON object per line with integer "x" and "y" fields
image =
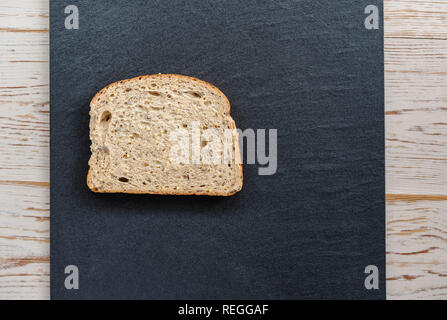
{"x": 24, "y": 241}
{"x": 416, "y": 249}
{"x": 24, "y": 16}
{"x": 24, "y": 152}
{"x": 416, "y": 19}
{"x": 416, "y": 116}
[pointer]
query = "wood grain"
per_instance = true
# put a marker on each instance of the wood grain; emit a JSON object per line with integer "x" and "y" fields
{"x": 416, "y": 19}
{"x": 416, "y": 249}
{"x": 416, "y": 116}
{"x": 416, "y": 153}
{"x": 416, "y": 148}
{"x": 24, "y": 152}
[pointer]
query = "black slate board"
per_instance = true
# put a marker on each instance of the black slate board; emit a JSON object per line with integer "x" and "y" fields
{"x": 307, "y": 68}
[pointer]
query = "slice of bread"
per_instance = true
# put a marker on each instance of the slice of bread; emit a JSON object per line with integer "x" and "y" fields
{"x": 150, "y": 135}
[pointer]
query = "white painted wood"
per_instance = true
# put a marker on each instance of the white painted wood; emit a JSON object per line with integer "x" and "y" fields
{"x": 24, "y": 152}
{"x": 416, "y": 149}
{"x": 416, "y": 19}
{"x": 416, "y": 250}
{"x": 416, "y": 116}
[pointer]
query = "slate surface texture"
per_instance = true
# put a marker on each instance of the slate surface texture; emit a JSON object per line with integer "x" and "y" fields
{"x": 309, "y": 69}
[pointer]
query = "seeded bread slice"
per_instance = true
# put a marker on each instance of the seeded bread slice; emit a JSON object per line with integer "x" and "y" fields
{"x": 131, "y": 130}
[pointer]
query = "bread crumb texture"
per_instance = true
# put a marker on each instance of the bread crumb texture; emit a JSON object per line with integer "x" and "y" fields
{"x": 131, "y": 122}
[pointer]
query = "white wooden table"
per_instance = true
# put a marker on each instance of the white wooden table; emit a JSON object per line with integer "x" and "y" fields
{"x": 416, "y": 149}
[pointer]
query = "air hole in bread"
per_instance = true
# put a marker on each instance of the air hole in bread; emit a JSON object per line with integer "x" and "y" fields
{"x": 154, "y": 93}
{"x": 105, "y": 118}
{"x": 122, "y": 179}
{"x": 194, "y": 94}
{"x": 105, "y": 150}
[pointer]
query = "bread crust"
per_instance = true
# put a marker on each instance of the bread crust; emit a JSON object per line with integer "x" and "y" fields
{"x": 136, "y": 191}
